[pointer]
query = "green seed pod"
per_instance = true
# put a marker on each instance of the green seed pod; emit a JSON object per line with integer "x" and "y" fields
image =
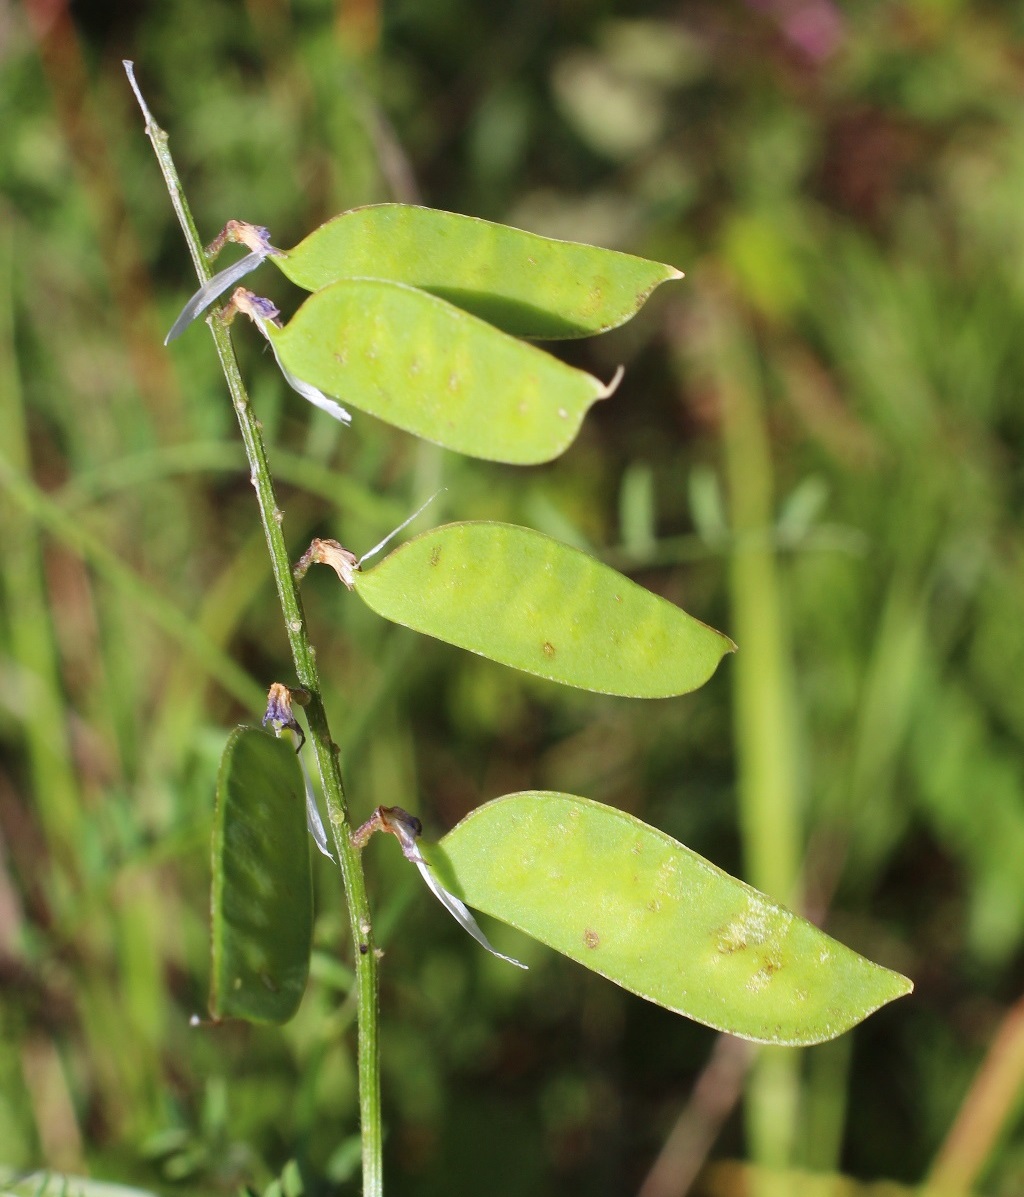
{"x": 525, "y": 600}
{"x": 632, "y": 904}
{"x": 527, "y": 285}
{"x": 419, "y": 363}
{"x": 262, "y": 899}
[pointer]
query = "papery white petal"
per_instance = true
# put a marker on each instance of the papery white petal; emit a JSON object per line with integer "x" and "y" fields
{"x": 458, "y": 909}
{"x": 313, "y": 820}
{"x": 315, "y": 396}
{"x": 404, "y": 524}
{"x": 212, "y": 290}
{"x": 305, "y": 389}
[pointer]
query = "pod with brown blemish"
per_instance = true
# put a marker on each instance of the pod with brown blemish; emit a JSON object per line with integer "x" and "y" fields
{"x": 636, "y": 906}
{"x": 421, "y": 364}
{"x": 527, "y": 285}
{"x": 525, "y": 600}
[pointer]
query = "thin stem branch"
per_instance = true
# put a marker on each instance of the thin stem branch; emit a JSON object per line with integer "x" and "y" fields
{"x": 718, "y": 1089}
{"x": 43, "y": 512}
{"x": 764, "y": 718}
{"x": 304, "y": 658}
{"x": 990, "y": 1103}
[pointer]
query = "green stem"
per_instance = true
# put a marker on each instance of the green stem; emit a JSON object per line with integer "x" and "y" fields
{"x": 44, "y": 512}
{"x": 304, "y": 658}
{"x": 763, "y": 704}
{"x": 32, "y": 639}
{"x": 990, "y": 1104}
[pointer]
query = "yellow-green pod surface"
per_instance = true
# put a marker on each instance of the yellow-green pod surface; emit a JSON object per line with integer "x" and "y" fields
{"x": 528, "y": 285}
{"x": 428, "y": 367}
{"x": 262, "y": 899}
{"x": 518, "y": 597}
{"x": 636, "y": 906}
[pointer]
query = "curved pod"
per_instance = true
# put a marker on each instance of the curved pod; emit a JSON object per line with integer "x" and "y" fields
{"x": 518, "y": 597}
{"x": 527, "y": 285}
{"x": 636, "y": 906}
{"x": 262, "y": 899}
{"x": 428, "y": 367}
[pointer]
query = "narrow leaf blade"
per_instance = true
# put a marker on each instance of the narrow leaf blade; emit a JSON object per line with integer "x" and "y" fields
{"x": 262, "y": 900}
{"x": 518, "y": 597}
{"x": 419, "y": 363}
{"x": 634, "y": 905}
{"x": 527, "y": 285}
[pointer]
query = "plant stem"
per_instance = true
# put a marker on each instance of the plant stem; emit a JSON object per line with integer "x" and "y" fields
{"x": 304, "y": 658}
{"x": 73, "y": 533}
{"x": 763, "y": 704}
{"x": 986, "y": 1111}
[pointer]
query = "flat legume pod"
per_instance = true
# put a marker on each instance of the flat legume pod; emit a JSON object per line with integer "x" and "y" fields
{"x": 262, "y": 901}
{"x": 521, "y": 598}
{"x": 428, "y": 367}
{"x": 527, "y": 285}
{"x": 636, "y": 906}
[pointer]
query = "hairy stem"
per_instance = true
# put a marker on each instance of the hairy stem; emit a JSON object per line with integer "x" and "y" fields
{"x": 304, "y": 658}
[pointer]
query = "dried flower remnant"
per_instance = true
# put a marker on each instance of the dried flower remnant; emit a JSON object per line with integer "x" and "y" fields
{"x": 256, "y": 238}
{"x": 263, "y": 313}
{"x": 212, "y": 290}
{"x": 279, "y": 710}
{"x": 344, "y": 562}
{"x": 328, "y": 552}
{"x": 406, "y": 828}
{"x": 281, "y": 718}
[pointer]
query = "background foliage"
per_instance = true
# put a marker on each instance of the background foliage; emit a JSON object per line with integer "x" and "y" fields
{"x": 842, "y": 187}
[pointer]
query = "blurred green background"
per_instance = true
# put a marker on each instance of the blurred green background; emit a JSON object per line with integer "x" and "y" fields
{"x": 817, "y": 448}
